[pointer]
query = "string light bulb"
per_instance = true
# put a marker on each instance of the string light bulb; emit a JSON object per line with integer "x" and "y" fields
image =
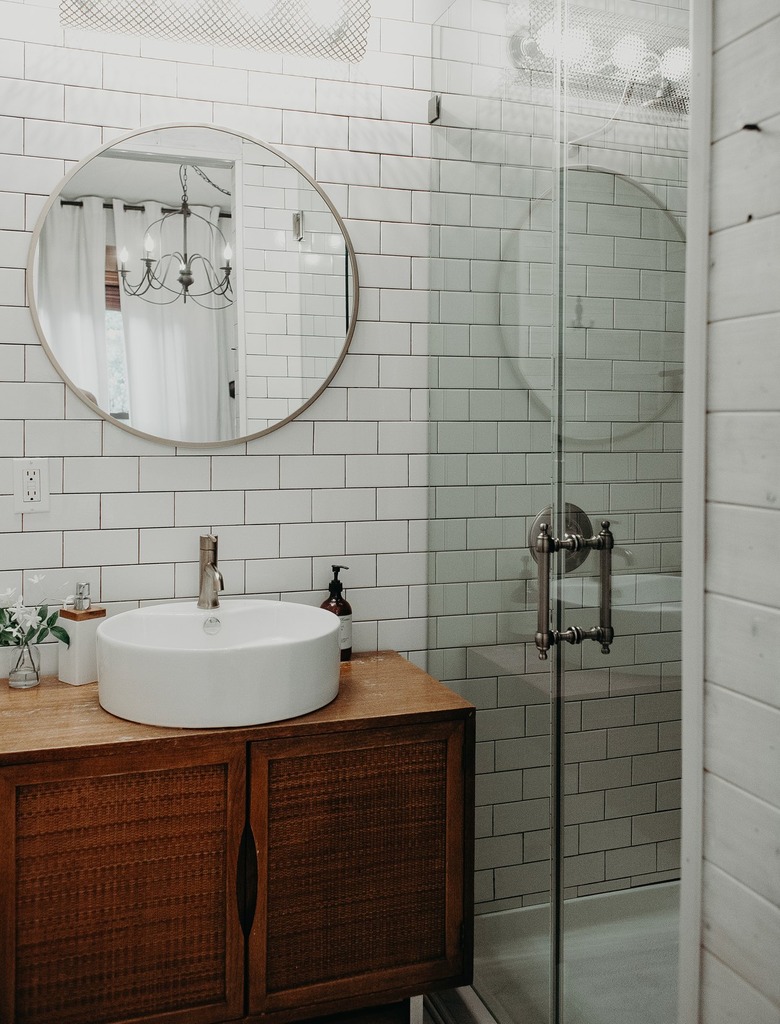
{"x": 573, "y": 46}
{"x": 675, "y": 64}
{"x": 630, "y": 54}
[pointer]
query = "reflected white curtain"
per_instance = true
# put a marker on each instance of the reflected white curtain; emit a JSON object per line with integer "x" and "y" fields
{"x": 177, "y": 354}
{"x": 71, "y": 293}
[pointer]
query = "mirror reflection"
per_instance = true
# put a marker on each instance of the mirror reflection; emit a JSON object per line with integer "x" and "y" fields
{"x": 193, "y": 284}
{"x": 624, "y": 283}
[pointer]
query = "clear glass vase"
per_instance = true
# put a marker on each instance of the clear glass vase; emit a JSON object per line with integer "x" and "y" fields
{"x": 25, "y": 667}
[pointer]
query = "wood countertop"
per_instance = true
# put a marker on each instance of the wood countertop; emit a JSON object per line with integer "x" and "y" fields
{"x": 55, "y": 720}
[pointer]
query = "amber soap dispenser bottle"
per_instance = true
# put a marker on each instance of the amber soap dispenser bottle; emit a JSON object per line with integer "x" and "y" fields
{"x": 339, "y": 605}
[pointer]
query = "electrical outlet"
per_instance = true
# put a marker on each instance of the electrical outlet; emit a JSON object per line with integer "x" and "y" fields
{"x": 31, "y": 485}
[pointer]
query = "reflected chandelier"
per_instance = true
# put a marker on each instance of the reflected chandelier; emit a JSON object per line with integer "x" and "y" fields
{"x": 158, "y": 271}
{"x": 334, "y": 29}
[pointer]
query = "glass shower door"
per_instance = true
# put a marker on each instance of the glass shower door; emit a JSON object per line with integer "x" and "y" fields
{"x": 556, "y": 355}
{"x": 616, "y": 445}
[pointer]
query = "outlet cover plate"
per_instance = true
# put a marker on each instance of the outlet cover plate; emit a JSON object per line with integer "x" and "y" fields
{"x": 31, "y": 485}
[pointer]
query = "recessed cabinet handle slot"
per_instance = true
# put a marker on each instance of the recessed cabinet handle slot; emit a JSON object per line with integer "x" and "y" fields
{"x": 544, "y": 546}
{"x": 246, "y": 880}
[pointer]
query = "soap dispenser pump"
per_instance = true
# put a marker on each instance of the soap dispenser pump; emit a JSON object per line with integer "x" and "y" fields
{"x": 339, "y": 605}
{"x": 81, "y": 618}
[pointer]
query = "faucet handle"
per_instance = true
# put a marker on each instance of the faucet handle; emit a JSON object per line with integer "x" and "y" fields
{"x": 211, "y": 581}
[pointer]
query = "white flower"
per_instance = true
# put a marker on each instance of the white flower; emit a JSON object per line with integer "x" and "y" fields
{"x": 6, "y": 598}
{"x": 27, "y": 618}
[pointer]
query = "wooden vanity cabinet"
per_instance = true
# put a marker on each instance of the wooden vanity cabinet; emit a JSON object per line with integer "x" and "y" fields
{"x": 117, "y": 888}
{"x": 279, "y": 873}
{"x": 361, "y": 867}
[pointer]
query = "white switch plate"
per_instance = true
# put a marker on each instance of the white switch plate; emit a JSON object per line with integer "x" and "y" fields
{"x": 31, "y": 485}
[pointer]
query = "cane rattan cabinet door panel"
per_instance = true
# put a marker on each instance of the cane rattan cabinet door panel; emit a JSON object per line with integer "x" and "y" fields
{"x": 118, "y": 887}
{"x": 362, "y": 881}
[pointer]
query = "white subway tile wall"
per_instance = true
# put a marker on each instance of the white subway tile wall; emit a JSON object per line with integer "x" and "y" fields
{"x": 491, "y": 464}
{"x": 347, "y": 483}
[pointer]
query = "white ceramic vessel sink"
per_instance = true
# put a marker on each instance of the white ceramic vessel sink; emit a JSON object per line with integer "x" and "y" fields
{"x": 244, "y": 663}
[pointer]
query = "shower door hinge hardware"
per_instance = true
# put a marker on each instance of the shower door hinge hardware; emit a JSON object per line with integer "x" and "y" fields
{"x": 297, "y": 220}
{"x": 575, "y": 521}
{"x": 434, "y": 108}
{"x": 544, "y": 546}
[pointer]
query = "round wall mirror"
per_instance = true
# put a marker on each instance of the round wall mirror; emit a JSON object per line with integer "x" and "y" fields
{"x": 624, "y": 262}
{"x": 193, "y": 285}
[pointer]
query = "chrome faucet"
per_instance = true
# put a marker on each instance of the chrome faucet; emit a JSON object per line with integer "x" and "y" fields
{"x": 210, "y": 579}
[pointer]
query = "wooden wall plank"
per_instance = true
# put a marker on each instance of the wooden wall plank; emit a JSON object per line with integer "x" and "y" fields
{"x": 740, "y": 981}
{"x": 740, "y": 743}
{"x": 740, "y": 560}
{"x": 745, "y": 170}
{"x": 735, "y": 349}
{"x": 746, "y": 86}
{"x": 734, "y": 477}
{"x": 735, "y": 18}
{"x": 742, "y": 930}
{"x": 735, "y": 823}
{"x": 729, "y": 999}
{"x": 740, "y": 284}
{"x": 743, "y": 647}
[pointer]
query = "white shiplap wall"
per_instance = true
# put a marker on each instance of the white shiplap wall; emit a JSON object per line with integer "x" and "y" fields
{"x": 741, "y": 855}
{"x": 347, "y": 481}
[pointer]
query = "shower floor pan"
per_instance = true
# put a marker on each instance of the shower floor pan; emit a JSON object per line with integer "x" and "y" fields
{"x": 620, "y": 953}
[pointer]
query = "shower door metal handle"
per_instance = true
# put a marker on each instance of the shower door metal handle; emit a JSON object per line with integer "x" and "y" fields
{"x": 607, "y": 543}
{"x": 544, "y": 546}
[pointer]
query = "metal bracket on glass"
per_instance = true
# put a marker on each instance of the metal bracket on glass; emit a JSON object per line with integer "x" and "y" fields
{"x": 544, "y": 546}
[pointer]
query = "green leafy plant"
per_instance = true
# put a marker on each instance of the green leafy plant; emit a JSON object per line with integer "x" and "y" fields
{"x": 21, "y": 624}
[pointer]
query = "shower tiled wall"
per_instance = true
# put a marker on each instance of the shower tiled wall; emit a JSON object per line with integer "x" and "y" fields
{"x": 491, "y": 464}
{"x": 347, "y": 481}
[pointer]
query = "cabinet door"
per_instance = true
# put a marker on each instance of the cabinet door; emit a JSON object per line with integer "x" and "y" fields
{"x": 362, "y": 867}
{"x": 118, "y": 888}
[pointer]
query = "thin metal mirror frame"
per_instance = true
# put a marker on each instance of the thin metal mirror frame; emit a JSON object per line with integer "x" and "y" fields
{"x": 80, "y": 393}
